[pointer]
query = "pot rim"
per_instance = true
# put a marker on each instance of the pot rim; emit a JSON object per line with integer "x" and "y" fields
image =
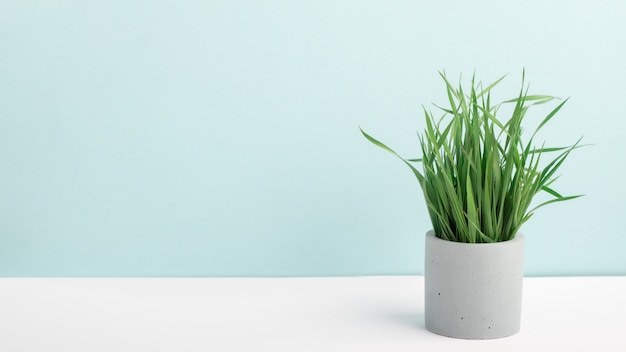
{"x": 519, "y": 237}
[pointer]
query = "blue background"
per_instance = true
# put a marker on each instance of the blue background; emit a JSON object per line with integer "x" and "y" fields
{"x": 220, "y": 138}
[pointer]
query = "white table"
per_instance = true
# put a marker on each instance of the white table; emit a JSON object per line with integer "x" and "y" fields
{"x": 289, "y": 314}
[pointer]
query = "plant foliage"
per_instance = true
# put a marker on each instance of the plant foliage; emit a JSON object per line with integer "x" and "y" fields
{"x": 478, "y": 176}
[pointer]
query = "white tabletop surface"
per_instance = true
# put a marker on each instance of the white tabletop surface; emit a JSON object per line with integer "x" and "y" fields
{"x": 289, "y": 314}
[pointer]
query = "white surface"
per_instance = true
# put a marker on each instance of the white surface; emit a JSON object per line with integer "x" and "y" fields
{"x": 289, "y": 314}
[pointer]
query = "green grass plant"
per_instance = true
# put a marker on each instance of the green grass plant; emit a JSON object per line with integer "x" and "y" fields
{"x": 477, "y": 174}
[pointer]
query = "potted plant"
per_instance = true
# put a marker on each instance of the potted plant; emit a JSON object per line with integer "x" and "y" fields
{"x": 479, "y": 178}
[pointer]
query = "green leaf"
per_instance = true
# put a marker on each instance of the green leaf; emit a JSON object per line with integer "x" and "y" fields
{"x": 550, "y": 116}
{"x": 417, "y": 174}
{"x": 479, "y": 174}
{"x": 551, "y": 191}
{"x": 561, "y": 199}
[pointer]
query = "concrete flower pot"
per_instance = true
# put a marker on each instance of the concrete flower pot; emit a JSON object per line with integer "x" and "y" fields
{"x": 473, "y": 291}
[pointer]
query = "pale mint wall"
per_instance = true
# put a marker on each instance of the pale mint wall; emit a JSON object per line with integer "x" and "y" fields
{"x": 218, "y": 138}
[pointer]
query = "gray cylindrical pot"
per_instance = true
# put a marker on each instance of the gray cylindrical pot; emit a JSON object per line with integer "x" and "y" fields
{"x": 473, "y": 291}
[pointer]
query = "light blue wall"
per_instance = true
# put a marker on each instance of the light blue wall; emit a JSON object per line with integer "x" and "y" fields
{"x": 217, "y": 138}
